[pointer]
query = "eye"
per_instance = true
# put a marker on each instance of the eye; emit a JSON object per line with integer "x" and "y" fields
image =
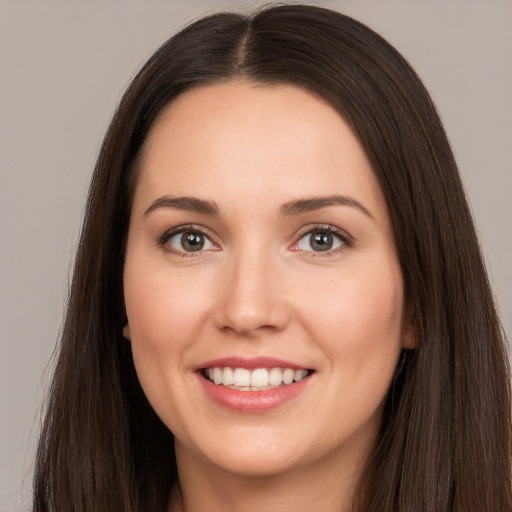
{"x": 323, "y": 239}
{"x": 188, "y": 241}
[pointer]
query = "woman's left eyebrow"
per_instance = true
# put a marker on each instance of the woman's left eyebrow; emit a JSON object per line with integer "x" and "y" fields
{"x": 308, "y": 204}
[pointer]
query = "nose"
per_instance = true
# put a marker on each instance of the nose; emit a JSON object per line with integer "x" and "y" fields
{"x": 252, "y": 298}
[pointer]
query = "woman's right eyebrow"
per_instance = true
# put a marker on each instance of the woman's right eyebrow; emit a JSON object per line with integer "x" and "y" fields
{"x": 190, "y": 204}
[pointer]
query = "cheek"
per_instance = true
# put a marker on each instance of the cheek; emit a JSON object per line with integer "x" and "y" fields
{"x": 162, "y": 309}
{"x": 165, "y": 313}
{"x": 357, "y": 317}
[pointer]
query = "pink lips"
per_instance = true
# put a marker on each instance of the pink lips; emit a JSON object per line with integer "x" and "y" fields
{"x": 251, "y": 401}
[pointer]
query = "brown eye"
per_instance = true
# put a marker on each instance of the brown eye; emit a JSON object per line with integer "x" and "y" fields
{"x": 321, "y": 240}
{"x": 189, "y": 241}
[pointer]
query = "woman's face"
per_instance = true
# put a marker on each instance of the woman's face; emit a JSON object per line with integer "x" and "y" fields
{"x": 260, "y": 256}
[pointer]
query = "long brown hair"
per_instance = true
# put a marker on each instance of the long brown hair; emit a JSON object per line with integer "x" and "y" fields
{"x": 445, "y": 442}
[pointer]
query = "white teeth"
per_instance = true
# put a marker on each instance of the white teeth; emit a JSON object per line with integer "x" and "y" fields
{"x": 275, "y": 377}
{"x": 217, "y": 375}
{"x": 227, "y": 376}
{"x": 259, "y": 378}
{"x": 288, "y": 375}
{"x": 242, "y": 377}
{"x": 299, "y": 375}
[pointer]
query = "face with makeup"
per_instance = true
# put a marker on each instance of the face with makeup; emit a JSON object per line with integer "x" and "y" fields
{"x": 263, "y": 291}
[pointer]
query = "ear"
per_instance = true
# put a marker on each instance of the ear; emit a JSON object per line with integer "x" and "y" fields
{"x": 409, "y": 335}
{"x": 126, "y": 332}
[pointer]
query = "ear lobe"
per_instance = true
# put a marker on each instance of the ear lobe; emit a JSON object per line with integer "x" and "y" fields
{"x": 409, "y": 340}
{"x": 126, "y": 332}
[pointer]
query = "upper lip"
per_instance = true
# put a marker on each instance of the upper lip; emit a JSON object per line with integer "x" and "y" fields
{"x": 250, "y": 363}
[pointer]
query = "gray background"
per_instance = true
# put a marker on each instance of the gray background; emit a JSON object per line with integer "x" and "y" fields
{"x": 63, "y": 65}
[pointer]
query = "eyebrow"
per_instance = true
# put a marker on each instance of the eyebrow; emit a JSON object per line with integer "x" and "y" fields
{"x": 190, "y": 204}
{"x": 309, "y": 204}
{"x": 289, "y": 209}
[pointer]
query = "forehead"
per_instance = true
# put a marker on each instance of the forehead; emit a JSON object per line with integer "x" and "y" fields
{"x": 242, "y": 138}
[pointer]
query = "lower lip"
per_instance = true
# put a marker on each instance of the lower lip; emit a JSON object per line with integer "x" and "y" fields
{"x": 252, "y": 401}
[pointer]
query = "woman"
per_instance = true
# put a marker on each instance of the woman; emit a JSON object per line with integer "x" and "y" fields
{"x": 278, "y": 300}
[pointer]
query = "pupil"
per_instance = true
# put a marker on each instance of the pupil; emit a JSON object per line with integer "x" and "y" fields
{"x": 321, "y": 241}
{"x": 192, "y": 241}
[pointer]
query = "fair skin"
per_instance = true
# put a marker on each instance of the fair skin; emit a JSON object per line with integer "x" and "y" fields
{"x": 288, "y": 262}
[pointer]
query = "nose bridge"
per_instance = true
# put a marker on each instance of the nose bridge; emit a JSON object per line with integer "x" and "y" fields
{"x": 251, "y": 297}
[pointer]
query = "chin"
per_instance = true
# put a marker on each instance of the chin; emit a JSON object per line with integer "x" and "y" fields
{"x": 261, "y": 466}
{"x": 252, "y": 455}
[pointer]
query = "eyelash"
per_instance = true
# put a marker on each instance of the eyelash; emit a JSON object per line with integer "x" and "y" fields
{"x": 346, "y": 241}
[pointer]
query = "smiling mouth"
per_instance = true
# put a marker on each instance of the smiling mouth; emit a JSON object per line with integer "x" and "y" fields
{"x": 258, "y": 379}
